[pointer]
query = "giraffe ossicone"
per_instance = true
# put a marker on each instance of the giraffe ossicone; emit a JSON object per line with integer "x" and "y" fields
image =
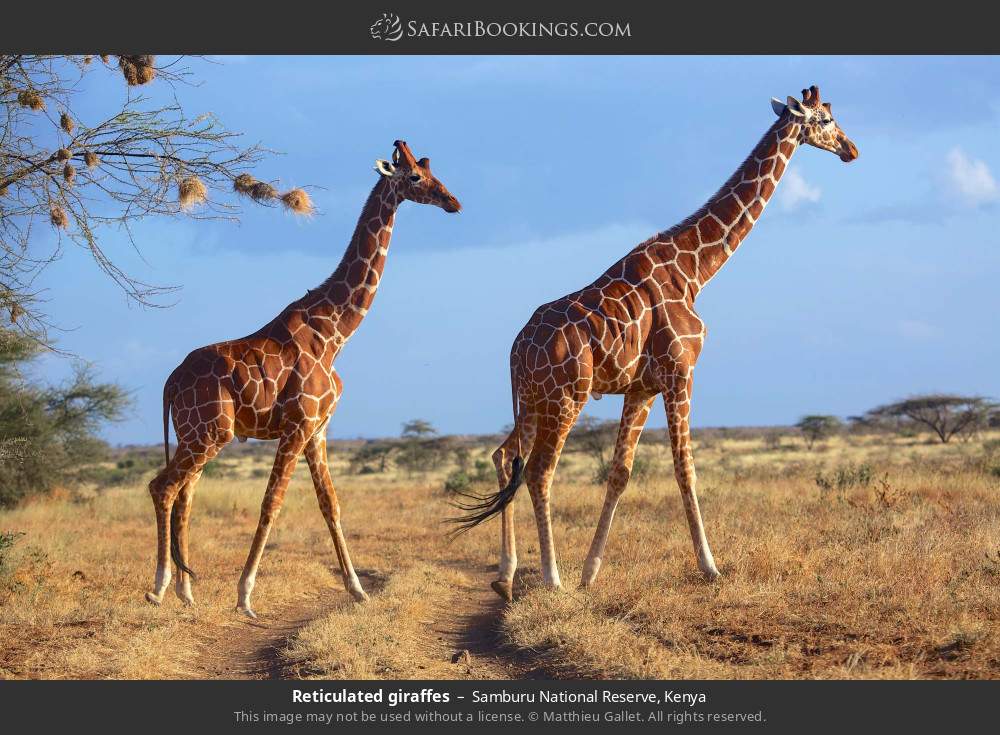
{"x": 280, "y": 383}
{"x": 634, "y": 332}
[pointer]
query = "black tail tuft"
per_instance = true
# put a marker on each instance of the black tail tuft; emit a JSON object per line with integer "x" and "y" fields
{"x": 175, "y": 553}
{"x": 485, "y": 507}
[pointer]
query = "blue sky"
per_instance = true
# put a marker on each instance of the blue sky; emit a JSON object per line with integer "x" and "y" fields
{"x": 862, "y": 283}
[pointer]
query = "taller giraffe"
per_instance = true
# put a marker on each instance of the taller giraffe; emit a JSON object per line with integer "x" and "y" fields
{"x": 634, "y": 331}
{"x": 280, "y": 383}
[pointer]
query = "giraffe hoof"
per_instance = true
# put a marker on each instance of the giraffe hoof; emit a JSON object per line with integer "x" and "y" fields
{"x": 359, "y": 596}
{"x": 503, "y": 589}
{"x": 153, "y": 599}
{"x": 711, "y": 575}
{"x": 246, "y": 611}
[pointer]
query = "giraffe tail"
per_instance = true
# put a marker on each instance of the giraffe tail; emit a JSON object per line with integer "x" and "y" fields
{"x": 484, "y": 507}
{"x": 166, "y": 421}
{"x": 175, "y": 553}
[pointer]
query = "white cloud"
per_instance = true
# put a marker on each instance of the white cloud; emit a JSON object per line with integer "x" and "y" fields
{"x": 969, "y": 180}
{"x": 795, "y": 191}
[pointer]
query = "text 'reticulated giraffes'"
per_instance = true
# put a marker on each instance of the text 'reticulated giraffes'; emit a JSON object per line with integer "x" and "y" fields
{"x": 634, "y": 331}
{"x": 280, "y": 383}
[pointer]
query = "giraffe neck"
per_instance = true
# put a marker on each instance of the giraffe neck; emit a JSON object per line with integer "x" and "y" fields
{"x": 712, "y": 234}
{"x": 348, "y": 293}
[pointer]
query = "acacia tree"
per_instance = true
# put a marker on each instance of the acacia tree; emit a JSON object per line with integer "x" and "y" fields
{"x": 815, "y": 428}
{"x": 82, "y": 176}
{"x": 945, "y": 414}
{"x": 47, "y": 432}
{"x": 420, "y": 448}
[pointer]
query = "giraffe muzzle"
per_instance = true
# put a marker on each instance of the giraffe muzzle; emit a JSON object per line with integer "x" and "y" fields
{"x": 848, "y": 151}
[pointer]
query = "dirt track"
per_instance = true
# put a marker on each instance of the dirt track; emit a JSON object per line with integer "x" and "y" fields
{"x": 460, "y": 640}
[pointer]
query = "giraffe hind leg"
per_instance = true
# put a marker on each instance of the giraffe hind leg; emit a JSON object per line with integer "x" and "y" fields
{"x": 164, "y": 489}
{"x": 173, "y": 512}
{"x": 503, "y": 459}
{"x": 552, "y": 429}
{"x": 180, "y": 520}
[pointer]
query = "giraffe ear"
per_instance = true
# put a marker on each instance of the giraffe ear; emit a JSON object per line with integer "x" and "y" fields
{"x": 778, "y": 106}
{"x": 795, "y": 107}
{"x": 384, "y": 167}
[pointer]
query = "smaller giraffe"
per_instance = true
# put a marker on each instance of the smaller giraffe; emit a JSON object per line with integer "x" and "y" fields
{"x": 280, "y": 383}
{"x": 634, "y": 332}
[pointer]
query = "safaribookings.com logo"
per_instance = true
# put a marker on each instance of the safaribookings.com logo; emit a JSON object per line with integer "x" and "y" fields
{"x": 387, "y": 28}
{"x": 390, "y": 28}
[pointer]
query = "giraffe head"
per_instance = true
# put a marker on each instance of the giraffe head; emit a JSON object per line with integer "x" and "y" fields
{"x": 819, "y": 129}
{"x": 413, "y": 179}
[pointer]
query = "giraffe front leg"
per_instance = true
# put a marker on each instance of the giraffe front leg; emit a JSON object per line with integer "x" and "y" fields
{"x": 285, "y": 460}
{"x": 326, "y": 494}
{"x": 678, "y": 406}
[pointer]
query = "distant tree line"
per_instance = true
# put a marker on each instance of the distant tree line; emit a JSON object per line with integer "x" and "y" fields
{"x": 944, "y": 415}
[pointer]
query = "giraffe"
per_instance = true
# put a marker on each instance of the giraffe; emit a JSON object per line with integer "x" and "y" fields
{"x": 634, "y": 331}
{"x": 280, "y": 383}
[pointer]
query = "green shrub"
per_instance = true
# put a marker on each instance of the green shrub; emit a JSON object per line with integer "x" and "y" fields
{"x": 461, "y": 480}
{"x": 457, "y": 481}
{"x": 220, "y": 468}
{"x": 846, "y": 477}
{"x": 7, "y": 541}
{"x": 642, "y": 469}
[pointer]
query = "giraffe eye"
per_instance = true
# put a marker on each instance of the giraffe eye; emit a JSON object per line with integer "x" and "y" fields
{"x": 415, "y": 178}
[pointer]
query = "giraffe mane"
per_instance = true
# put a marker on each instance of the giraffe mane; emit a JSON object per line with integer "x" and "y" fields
{"x": 329, "y": 280}
{"x": 735, "y": 178}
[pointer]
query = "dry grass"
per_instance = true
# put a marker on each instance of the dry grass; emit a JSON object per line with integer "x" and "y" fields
{"x": 383, "y": 638}
{"x": 896, "y": 578}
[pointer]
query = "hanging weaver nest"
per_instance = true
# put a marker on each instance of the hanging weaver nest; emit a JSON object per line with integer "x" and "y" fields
{"x": 262, "y": 191}
{"x": 191, "y": 191}
{"x": 137, "y": 70}
{"x": 243, "y": 183}
{"x": 63, "y": 154}
{"x": 91, "y": 159}
{"x": 105, "y": 58}
{"x": 87, "y": 59}
{"x": 69, "y": 173}
{"x": 298, "y": 201}
{"x": 57, "y": 216}
{"x": 16, "y": 311}
{"x": 66, "y": 122}
{"x": 31, "y": 99}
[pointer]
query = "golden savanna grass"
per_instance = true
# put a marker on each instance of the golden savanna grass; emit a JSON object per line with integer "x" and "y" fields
{"x": 885, "y": 568}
